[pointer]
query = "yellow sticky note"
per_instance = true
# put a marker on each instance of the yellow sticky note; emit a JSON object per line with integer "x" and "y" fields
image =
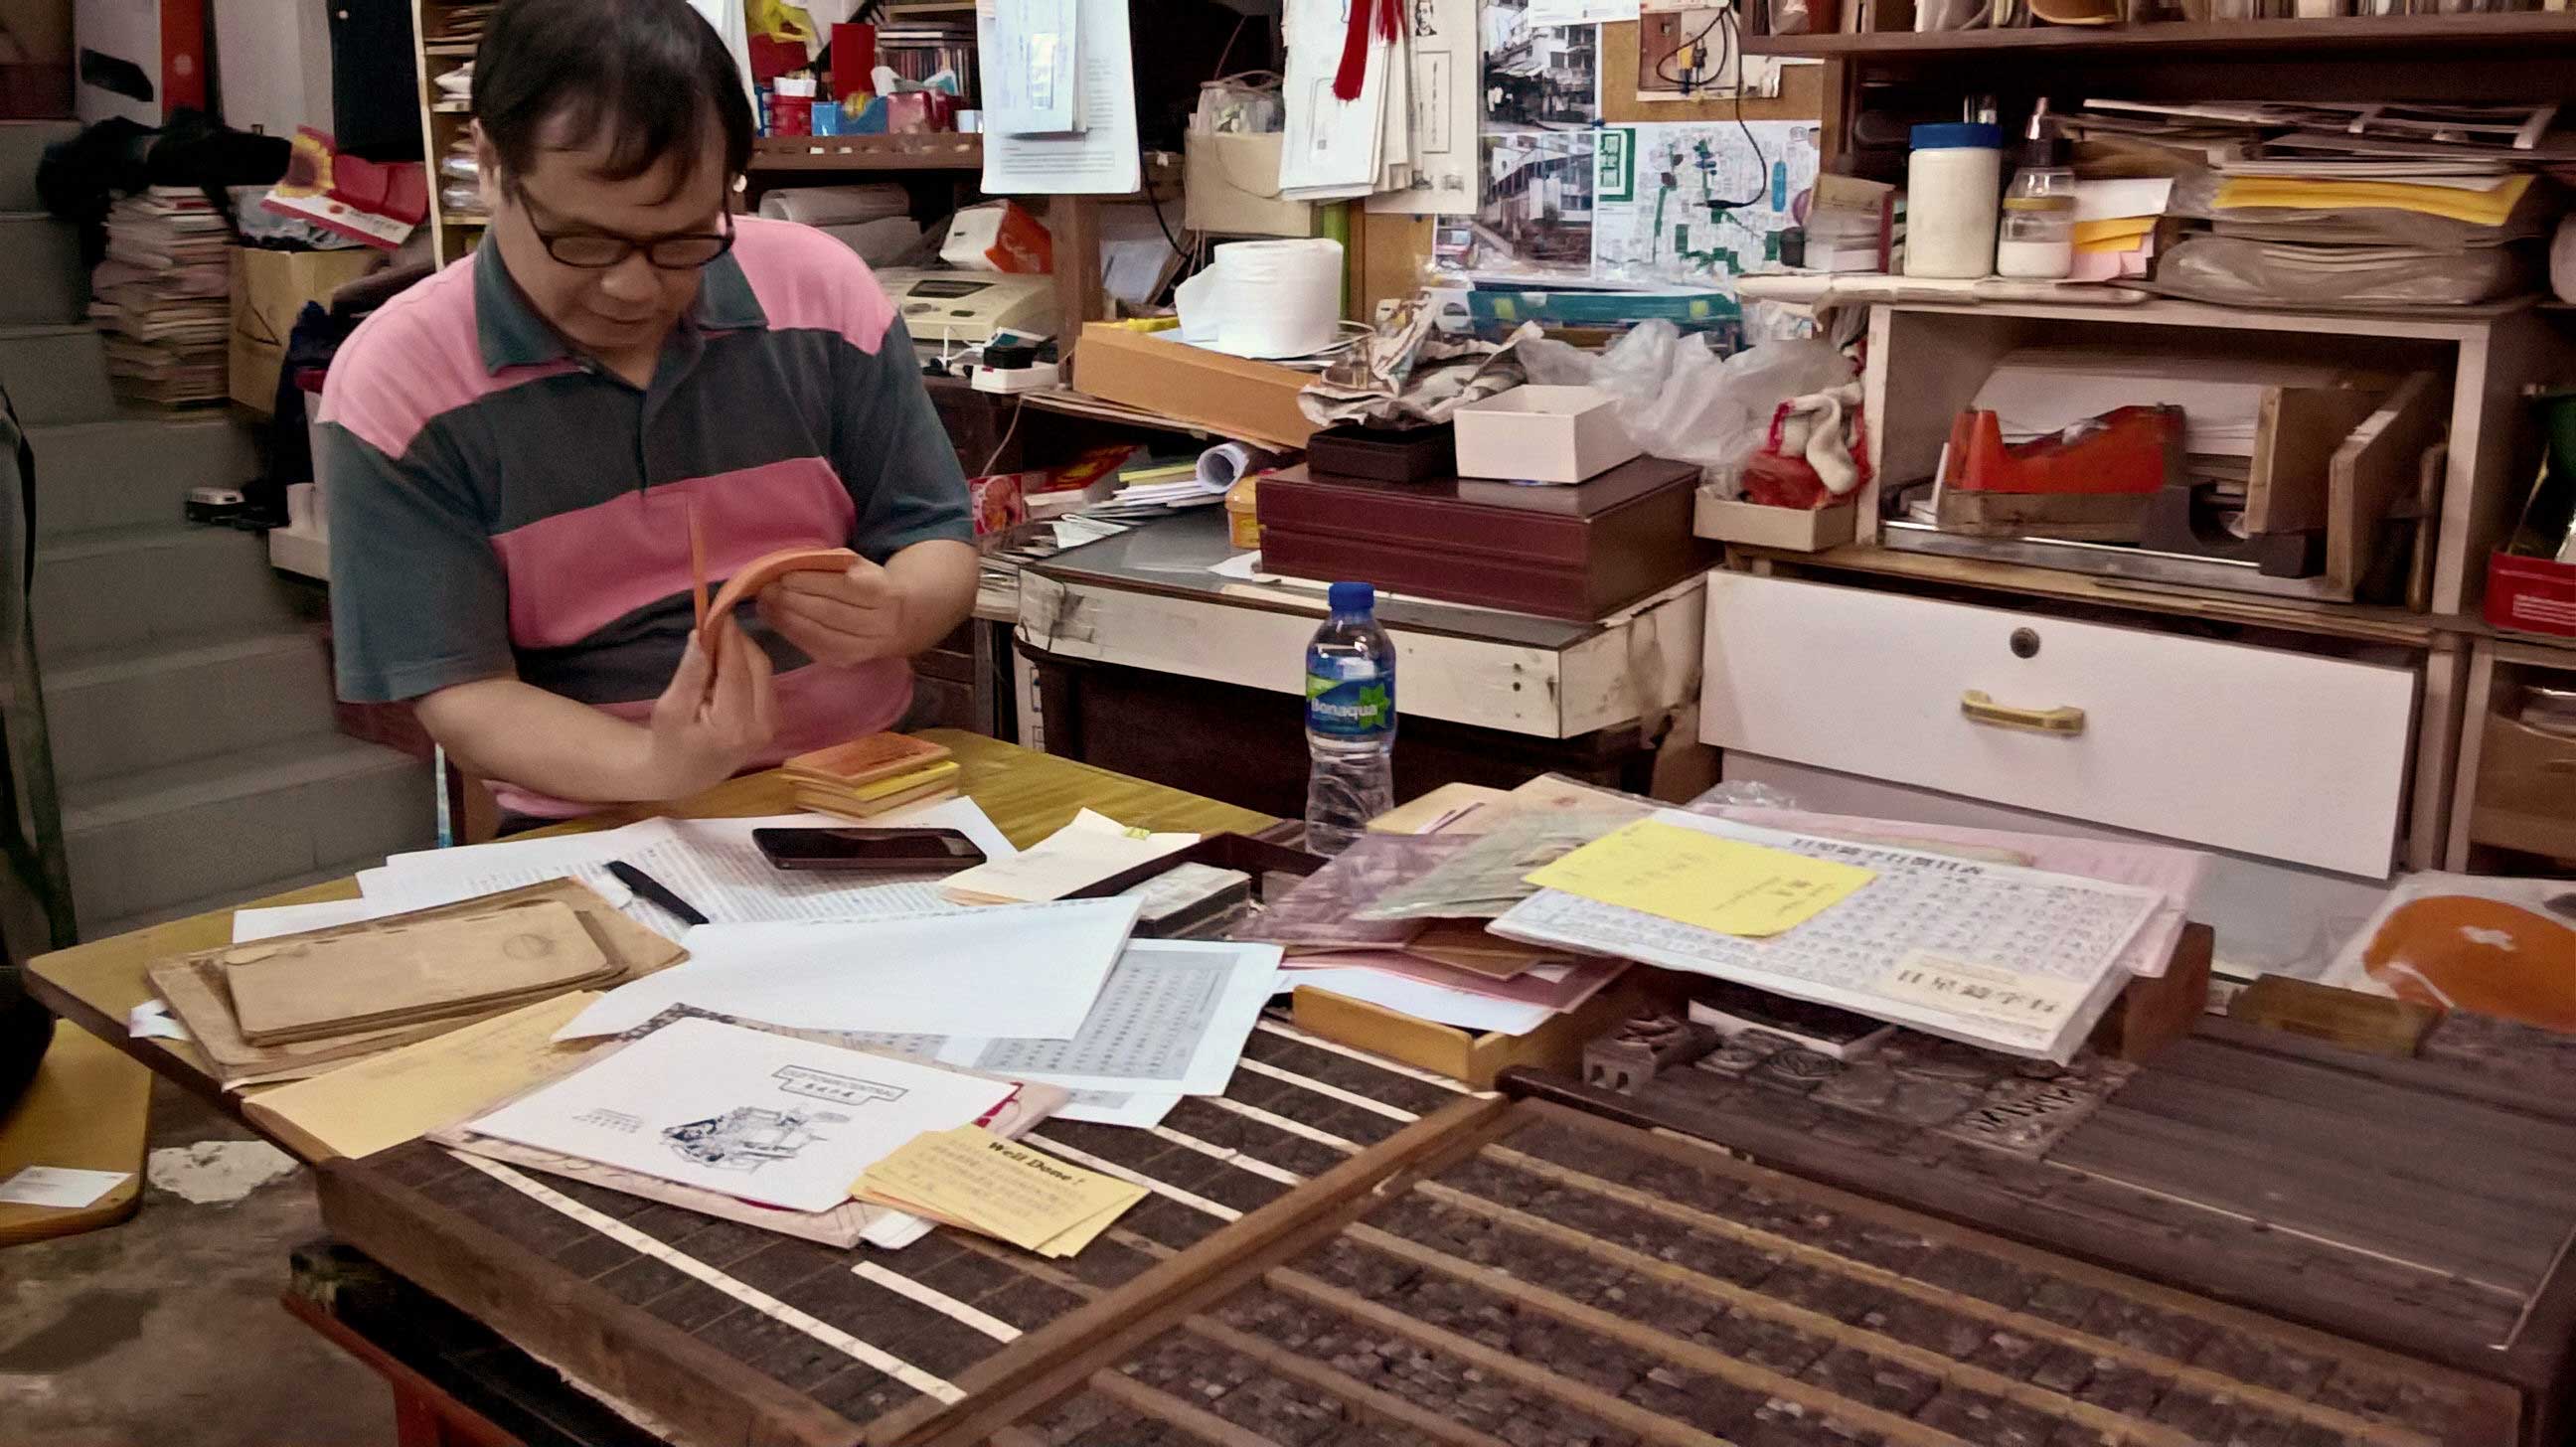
{"x": 1002, "y": 1188}
{"x": 1724, "y": 885}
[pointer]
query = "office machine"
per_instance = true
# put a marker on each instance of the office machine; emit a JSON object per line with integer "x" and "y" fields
{"x": 965, "y": 308}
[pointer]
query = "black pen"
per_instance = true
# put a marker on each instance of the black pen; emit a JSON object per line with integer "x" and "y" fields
{"x": 654, "y": 890}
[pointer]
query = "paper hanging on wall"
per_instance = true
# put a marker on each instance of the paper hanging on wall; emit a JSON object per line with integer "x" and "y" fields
{"x": 1722, "y": 885}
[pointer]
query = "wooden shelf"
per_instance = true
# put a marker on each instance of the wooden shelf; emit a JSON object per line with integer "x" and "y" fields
{"x": 2336, "y": 620}
{"x": 451, "y": 49}
{"x": 938, "y": 152}
{"x": 2352, "y": 34}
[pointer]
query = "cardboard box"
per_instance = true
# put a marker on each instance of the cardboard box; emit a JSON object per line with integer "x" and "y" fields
{"x": 1231, "y": 396}
{"x": 1233, "y": 187}
{"x": 269, "y": 288}
{"x": 1541, "y": 434}
{"x": 1792, "y": 528}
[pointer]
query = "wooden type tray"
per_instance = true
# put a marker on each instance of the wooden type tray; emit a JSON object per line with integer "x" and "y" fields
{"x": 2424, "y": 1206}
{"x": 1550, "y": 1277}
{"x": 718, "y": 1333}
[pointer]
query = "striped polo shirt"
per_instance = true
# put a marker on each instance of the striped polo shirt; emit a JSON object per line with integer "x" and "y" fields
{"x": 501, "y": 505}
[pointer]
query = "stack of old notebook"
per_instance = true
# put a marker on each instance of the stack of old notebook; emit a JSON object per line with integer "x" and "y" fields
{"x": 301, "y": 1005}
{"x": 874, "y": 775}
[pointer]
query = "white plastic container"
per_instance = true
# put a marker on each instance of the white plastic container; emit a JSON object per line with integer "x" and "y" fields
{"x": 1953, "y": 182}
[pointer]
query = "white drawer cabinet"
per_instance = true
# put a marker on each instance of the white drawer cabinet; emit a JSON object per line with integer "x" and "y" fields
{"x": 2282, "y": 755}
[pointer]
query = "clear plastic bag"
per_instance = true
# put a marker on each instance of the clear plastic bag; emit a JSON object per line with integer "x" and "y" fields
{"x": 2254, "y": 273}
{"x": 1680, "y": 400}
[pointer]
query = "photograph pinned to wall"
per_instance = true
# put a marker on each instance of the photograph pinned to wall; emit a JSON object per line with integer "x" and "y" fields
{"x": 1698, "y": 204}
{"x": 1538, "y": 76}
{"x": 1446, "y": 106}
{"x": 1536, "y": 220}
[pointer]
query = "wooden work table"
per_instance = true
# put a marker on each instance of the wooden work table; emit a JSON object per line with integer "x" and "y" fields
{"x": 1655, "y": 1291}
{"x": 1028, "y": 795}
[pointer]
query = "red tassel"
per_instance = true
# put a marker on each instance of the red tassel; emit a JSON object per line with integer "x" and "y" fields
{"x": 1355, "y": 49}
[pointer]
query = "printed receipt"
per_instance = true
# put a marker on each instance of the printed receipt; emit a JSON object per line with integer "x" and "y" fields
{"x": 977, "y": 1180}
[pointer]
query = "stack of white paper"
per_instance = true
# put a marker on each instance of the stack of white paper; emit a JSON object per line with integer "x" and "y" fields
{"x": 1029, "y": 969}
{"x": 763, "y": 1117}
{"x": 710, "y": 863}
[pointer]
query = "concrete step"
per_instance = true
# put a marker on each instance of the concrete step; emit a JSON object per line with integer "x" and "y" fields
{"x": 157, "y": 838}
{"x": 22, "y": 146}
{"x": 41, "y": 258}
{"x": 55, "y": 374}
{"x": 131, "y": 587}
{"x": 136, "y": 470}
{"x": 122, "y": 710}
{"x": 208, "y": 904}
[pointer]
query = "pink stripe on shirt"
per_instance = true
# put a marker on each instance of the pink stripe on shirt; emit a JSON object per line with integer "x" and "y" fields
{"x": 421, "y": 360}
{"x": 575, "y": 572}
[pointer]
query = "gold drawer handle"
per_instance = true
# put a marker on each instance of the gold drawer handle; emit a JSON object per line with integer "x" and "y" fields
{"x": 2064, "y": 719}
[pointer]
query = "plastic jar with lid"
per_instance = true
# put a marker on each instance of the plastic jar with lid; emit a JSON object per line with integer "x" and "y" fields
{"x": 1951, "y": 184}
{"x": 2038, "y": 236}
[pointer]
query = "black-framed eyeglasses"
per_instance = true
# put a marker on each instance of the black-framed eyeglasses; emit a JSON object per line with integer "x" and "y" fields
{"x": 600, "y": 250}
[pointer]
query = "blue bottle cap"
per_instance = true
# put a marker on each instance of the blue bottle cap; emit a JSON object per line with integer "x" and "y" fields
{"x": 1351, "y": 597}
{"x": 1958, "y": 135}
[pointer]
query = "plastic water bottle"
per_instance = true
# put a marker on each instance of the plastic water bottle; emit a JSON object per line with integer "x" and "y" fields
{"x": 1350, "y": 721}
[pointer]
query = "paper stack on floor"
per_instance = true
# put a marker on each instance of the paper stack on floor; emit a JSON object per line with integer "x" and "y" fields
{"x": 162, "y": 297}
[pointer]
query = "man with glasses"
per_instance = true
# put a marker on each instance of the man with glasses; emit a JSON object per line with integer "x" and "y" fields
{"x": 517, "y": 451}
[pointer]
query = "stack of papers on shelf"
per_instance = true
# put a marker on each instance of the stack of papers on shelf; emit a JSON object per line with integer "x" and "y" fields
{"x": 971, "y": 1178}
{"x": 2115, "y": 223}
{"x": 2327, "y": 204}
{"x": 1991, "y": 954}
{"x": 1084, "y": 852}
{"x": 162, "y": 297}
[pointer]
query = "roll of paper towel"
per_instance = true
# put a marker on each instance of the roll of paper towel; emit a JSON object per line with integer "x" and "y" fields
{"x": 1265, "y": 298}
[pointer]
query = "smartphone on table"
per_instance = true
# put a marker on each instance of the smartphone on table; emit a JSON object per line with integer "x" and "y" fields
{"x": 905, "y": 851}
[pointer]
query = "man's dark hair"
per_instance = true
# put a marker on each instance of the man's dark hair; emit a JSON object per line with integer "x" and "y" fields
{"x": 651, "y": 75}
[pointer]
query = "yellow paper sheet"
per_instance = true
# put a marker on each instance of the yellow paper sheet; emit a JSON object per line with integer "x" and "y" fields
{"x": 1724, "y": 885}
{"x": 2113, "y": 228}
{"x": 1002, "y": 1188}
{"x": 2116, "y": 245}
{"x": 2484, "y": 208}
{"x": 384, "y": 1100}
